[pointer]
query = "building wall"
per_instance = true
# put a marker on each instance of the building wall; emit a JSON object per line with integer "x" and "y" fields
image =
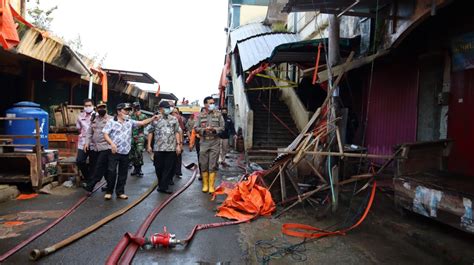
{"x": 392, "y": 104}
{"x": 313, "y": 25}
{"x": 249, "y": 14}
{"x": 461, "y": 122}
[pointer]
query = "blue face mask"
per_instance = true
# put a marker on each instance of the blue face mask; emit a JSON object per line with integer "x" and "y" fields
{"x": 167, "y": 111}
{"x": 212, "y": 107}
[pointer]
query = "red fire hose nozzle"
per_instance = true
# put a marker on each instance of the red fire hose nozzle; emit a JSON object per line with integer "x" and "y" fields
{"x": 164, "y": 239}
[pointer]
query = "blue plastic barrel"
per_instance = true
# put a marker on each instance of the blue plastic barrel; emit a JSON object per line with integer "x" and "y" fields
{"x": 26, "y": 109}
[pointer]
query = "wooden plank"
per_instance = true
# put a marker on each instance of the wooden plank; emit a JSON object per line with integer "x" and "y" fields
{"x": 17, "y": 136}
{"x": 335, "y": 181}
{"x": 340, "y": 69}
{"x": 326, "y": 154}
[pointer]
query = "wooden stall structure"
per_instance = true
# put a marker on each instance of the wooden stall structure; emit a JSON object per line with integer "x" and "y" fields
{"x": 19, "y": 164}
{"x": 424, "y": 185}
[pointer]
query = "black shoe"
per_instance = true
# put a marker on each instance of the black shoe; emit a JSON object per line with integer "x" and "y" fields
{"x": 171, "y": 183}
{"x": 164, "y": 191}
{"x": 179, "y": 175}
{"x": 103, "y": 188}
{"x": 89, "y": 191}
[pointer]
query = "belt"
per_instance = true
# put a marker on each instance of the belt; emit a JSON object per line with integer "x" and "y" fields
{"x": 209, "y": 137}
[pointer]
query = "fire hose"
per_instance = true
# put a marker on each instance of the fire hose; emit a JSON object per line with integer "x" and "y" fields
{"x": 121, "y": 247}
{"x": 37, "y": 254}
{"x": 123, "y": 255}
{"x": 17, "y": 248}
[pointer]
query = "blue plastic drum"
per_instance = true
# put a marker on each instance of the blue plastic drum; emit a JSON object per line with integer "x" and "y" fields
{"x": 26, "y": 109}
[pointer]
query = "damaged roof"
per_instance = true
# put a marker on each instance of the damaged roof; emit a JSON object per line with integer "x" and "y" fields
{"x": 47, "y": 49}
{"x": 131, "y": 76}
{"x": 247, "y": 31}
{"x": 254, "y": 51}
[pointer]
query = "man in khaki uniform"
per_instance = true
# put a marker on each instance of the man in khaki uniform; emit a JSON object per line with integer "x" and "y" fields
{"x": 208, "y": 125}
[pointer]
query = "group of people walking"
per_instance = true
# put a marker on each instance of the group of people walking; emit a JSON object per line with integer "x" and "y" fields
{"x": 111, "y": 143}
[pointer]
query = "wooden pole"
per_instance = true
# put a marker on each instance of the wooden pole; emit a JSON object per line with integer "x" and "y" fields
{"x": 324, "y": 153}
{"x": 38, "y": 153}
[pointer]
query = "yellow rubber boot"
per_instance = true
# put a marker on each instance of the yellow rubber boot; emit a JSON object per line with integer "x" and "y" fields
{"x": 205, "y": 181}
{"x": 212, "y": 179}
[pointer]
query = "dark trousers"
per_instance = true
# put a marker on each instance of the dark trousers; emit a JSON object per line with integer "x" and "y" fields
{"x": 179, "y": 161}
{"x": 121, "y": 161}
{"x": 165, "y": 166}
{"x": 198, "y": 149}
{"x": 100, "y": 168}
{"x": 81, "y": 162}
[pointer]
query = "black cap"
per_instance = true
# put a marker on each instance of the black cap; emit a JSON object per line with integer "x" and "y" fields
{"x": 136, "y": 105}
{"x": 124, "y": 106}
{"x": 164, "y": 104}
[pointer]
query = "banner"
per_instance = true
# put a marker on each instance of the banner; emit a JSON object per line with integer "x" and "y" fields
{"x": 463, "y": 52}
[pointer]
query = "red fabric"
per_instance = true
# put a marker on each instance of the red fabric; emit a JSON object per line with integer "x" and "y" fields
{"x": 8, "y": 34}
{"x": 252, "y": 74}
{"x": 246, "y": 201}
{"x": 158, "y": 90}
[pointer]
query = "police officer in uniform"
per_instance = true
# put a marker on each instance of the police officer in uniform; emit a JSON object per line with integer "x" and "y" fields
{"x": 138, "y": 141}
{"x": 208, "y": 125}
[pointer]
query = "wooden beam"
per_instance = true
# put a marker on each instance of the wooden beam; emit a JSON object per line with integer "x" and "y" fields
{"x": 340, "y": 69}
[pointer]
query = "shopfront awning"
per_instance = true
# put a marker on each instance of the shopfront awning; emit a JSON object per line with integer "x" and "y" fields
{"x": 256, "y": 50}
{"x": 304, "y": 52}
{"x": 246, "y": 32}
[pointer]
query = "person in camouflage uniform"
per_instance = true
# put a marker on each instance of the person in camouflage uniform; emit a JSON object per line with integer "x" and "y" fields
{"x": 138, "y": 141}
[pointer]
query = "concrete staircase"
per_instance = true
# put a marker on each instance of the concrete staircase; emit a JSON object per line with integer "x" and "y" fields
{"x": 268, "y": 132}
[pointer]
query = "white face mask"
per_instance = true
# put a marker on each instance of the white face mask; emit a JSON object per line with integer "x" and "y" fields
{"x": 212, "y": 107}
{"x": 88, "y": 109}
{"x": 126, "y": 117}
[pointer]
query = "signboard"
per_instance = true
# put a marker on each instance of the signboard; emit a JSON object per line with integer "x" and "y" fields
{"x": 463, "y": 52}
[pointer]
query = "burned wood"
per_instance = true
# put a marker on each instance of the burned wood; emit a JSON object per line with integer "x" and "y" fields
{"x": 324, "y": 153}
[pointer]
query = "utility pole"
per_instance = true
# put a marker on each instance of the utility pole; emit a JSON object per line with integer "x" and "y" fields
{"x": 333, "y": 60}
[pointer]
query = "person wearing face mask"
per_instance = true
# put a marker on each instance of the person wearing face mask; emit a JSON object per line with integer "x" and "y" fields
{"x": 166, "y": 134}
{"x": 118, "y": 134}
{"x": 209, "y": 125}
{"x": 97, "y": 147}
{"x": 225, "y": 135}
{"x": 82, "y": 124}
{"x": 138, "y": 141}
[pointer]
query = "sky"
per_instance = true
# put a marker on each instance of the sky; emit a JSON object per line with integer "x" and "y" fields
{"x": 179, "y": 43}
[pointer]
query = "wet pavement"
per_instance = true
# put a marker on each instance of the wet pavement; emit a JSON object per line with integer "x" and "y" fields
{"x": 384, "y": 237}
{"x": 190, "y": 208}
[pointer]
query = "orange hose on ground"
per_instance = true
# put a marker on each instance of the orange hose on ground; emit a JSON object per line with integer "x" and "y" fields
{"x": 290, "y": 229}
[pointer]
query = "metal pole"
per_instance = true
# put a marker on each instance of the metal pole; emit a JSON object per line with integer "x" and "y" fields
{"x": 89, "y": 95}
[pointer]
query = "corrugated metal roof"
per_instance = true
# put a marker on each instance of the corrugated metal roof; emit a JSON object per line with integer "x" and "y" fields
{"x": 131, "y": 76}
{"x": 247, "y": 31}
{"x": 256, "y": 50}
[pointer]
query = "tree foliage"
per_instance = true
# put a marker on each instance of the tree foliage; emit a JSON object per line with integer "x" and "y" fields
{"x": 41, "y": 18}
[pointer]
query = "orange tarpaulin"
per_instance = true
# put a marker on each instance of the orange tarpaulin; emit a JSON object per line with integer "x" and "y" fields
{"x": 27, "y": 196}
{"x": 246, "y": 201}
{"x": 8, "y": 34}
